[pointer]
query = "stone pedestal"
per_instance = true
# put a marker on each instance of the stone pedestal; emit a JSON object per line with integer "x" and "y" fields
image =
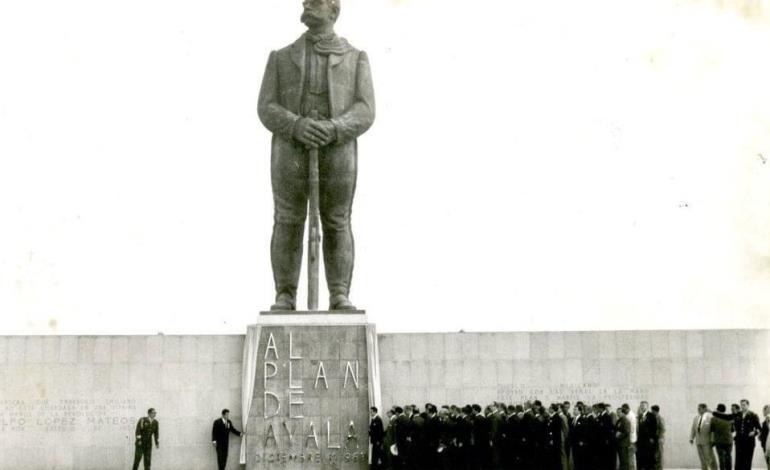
{"x": 315, "y": 379}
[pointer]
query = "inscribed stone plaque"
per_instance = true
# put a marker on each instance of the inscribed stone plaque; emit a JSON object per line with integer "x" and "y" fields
{"x": 311, "y": 398}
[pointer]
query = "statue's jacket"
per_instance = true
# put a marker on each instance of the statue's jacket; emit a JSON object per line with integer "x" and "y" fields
{"x": 351, "y": 97}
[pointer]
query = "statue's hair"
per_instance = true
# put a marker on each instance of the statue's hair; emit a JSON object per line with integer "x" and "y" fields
{"x": 335, "y": 4}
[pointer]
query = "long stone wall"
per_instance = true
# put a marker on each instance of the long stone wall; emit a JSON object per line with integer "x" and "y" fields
{"x": 70, "y": 402}
{"x": 675, "y": 369}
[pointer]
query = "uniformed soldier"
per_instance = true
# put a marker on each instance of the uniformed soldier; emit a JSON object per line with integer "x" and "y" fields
{"x": 146, "y": 428}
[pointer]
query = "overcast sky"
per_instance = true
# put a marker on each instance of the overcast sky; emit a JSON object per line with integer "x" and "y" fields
{"x": 559, "y": 165}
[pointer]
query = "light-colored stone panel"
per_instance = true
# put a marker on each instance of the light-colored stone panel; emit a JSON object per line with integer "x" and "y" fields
{"x": 643, "y": 372}
{"x": 695, "y": 372}
{"x": 388, "y": 375}
{"x": 592, "y": 371}
{"x": 119, "y": 349}
{"x": 678, "y": 372}
{"x": 488, "y": 376}
{"x": 401, "y": 348}
{"x": 661, "y": 372}
{"x": 470, "y": 373}
{"x": 504, "y": 345}
{"x": 34, "y": 352}
{"x": 470, "y": 345}
{"x": 694, "y": 344}
{"x": 625, "y": 344}
{"x": 17, "y": 349}
{"x": 538, "y": 372}
{"x": 750, "y": 343}
{"x": 418, "y": 347}
{"x": 589, "y": 343}
{"x": 659, "y": 344}
{"x": 436, "y": 374}
{"x": 205, "y": 349}
{"x": 102, "y": 350}
{"x": 86, "y": 349}
{"x": 609, "y": 372}
{"x": 711, "y": 344}
{"x": 3, "y": 349}
{"x": 435, "y": 346}
{"x": 573, "y": 345}
{"x": 556, "y": 372}
{"x": 50, "y": 349}
{"x": 522, "y": 372}
{"x": 607, "y": 345}
{"x": 203, "y": 376}
{"x": 453, "y": 346}
{"x": 730, "y": 342}
{"x": 573, "y": 371}
{"x": 487, "y": 347}
{"x": 642, "y": 345}
{"x": 454, "y": 373}
{"x": 677, "y": 344}
{"x": 505, "y": 371}
{"x": 521, "y": 345}
{"x": 224, "y": 375}
{"x": 556, "y": 347}
{"x": 172, "y": 349}
{"x": 155, "y": 349}
{"x": 418, "y": 374}
{"x": 712, "y": 372}
{"x": 538, "y": 346}
{"x": 137, "y": 349}
{"x": 101, "y": 377}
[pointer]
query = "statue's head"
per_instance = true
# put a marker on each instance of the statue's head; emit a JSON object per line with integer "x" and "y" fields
{"x": 320, "y": 12}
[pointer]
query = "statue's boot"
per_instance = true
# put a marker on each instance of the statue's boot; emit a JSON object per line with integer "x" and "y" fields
{"x": 284, "y": 302}
{"x": 340, "y": 302}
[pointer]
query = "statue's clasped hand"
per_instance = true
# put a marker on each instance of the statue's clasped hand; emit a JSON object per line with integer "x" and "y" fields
{"x": 314, "y": 133}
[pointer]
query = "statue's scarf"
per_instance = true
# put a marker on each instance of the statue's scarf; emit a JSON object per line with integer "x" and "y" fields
{"x": 330, "y": 43}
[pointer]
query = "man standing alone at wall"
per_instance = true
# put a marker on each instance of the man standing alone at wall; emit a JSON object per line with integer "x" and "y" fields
{"x": 146, "y": 428}
{"x": 220, "y": 437}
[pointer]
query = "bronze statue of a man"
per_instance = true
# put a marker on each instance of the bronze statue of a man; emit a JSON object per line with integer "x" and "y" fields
{"x": 319, "y": 75}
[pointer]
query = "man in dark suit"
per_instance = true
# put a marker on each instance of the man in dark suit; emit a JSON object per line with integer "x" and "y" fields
{"x": 220, "y": 437}
{"x": 390, "y": 461}
{"x": 746, "y": 430}
{"x": 496, "y": 417}
{"x": 605, "y": 432}
{"x": 579, "y": 439}
{"x": 481, "y": 438}
{"x": 404, "y": 437}
{"x": 316, "y": 94}
{"x": 647, "y": 441}
{"x": 376, "y": 438}
{"x": 417, "y": 454}
{"x": 146, "y": 428}
{"x": 554, "y": 443}
{"x": 431, "y": 436}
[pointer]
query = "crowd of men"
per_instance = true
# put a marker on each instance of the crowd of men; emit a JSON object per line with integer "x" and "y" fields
{"x": 527, "y": 436}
